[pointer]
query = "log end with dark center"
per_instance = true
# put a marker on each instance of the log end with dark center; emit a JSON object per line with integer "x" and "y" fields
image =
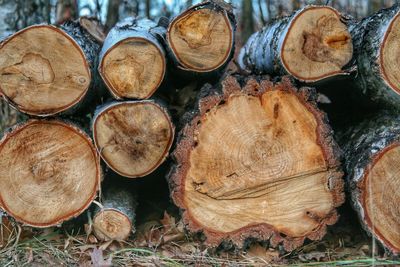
{"x": 258, "y": 162}
{"x": 49, "y": 172}
{"x": 43, "y": 70}
{"x": 133, "y": 68}
{"x": 201, "y": 39}
{"x": 317, "y": 44}
{"x": 133, "y": 138}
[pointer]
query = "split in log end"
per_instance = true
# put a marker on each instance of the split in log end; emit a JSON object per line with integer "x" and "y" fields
{"x": 50, "y": 172}
{"x": 201, "y": 39}
{"x": 258, "y": 163}
{"x": 112, "y": 224}
{"x": 44, "y": 71}
{"x": 380, "y": 197}
{"x": 133, "y": 137}
{"x": 317, "y": 44}
{"x": 133, "y": 68}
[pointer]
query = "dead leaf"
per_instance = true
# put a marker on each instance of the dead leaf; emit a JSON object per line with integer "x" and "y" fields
{"x": 307, "y": 257}
{"x": 98, "y": 260}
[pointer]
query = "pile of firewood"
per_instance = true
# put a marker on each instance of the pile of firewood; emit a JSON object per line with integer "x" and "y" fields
{"x": 255, "y": 158}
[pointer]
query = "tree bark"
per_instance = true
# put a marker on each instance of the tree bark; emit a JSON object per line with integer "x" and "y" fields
{"x": 132, "y": 59}
{"x": 312, "y": 44}
{"x": 49, "y": 73}
{"x": 66, "y": 10}
{"x": 247, "y": 20}
{"x": 372, "y": 150}
{"x": 201, "y": 39}
{"x": 116, "y": 219}
{"x": 375, "y": 54}
{"x": 133, "y": 137}
{"x": 50, "y": 172}
{"x": 248, "y": 165}
{"x": 112, "y": 14}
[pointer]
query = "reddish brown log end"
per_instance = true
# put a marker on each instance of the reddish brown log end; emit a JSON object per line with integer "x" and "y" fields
{"x": 43, "y": 71}
{"x": 133, "y": 137}
{"x": 49, "y": 172}
{"x": 379, "y": 197}
{"x": 258, "y": 162}
{"x": 390, "y": 55}
{"x": 317, "y": 44}
{"x": 133, "y": 68}
{"x": 201, "y": 38}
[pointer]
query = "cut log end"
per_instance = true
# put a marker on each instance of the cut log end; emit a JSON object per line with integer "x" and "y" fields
{"x": 390, "y": 55}
{"x": 257, "y": 162}
{"x": 44, "y": 71}
{"x": 201, "y": 39}
{"x": 112, "y": 224}
{"x": 380, "y": 197}
{"x": 133, "y": 138}
{"x": 317, "y": 45}
{"x": 133, "y": 68}
{"x": 49, "y": 172}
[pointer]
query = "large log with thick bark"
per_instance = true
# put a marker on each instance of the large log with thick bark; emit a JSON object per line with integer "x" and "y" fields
{"x": 201, "y": 39}
{"x": 45, "y": 70}
{"x": 312, "y": 44}
{"x": 376, "y": 54}
{"x": 372, "y": 153}
{"x": 115, "y": 219}
{"x": 132, "y": 59}
{"x": 258, "y": 162}
{"x": 49, "y": 172}
{"x": 133, "y": 137}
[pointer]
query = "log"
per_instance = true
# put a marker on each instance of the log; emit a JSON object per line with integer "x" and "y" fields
{"x": 49, "y": 172}
{"x": 115, "y": 220}
{"x": 372, "y": 153}
{"x": 201, "y": 39}
{"x": 45, "y": 70}
{"x": 376, "y": 53}
{"x": 133, "y": 137}
{"x": 312, "y": 44}
{"x": 132, "y": 59}
{"x": 257, "y": 163}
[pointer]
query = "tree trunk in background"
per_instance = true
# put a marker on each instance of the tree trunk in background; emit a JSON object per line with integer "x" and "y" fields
{"x": 374, "y": 6}
{"x": 112, "y": 14}
{"x": 247, "y": 21}
{"x": 262, "y": 18}
{"x": 148, "y": 8}
{"x": 269, "y": 10}
{"x": 66, "y": 10}
{"x": 295, "y": 5}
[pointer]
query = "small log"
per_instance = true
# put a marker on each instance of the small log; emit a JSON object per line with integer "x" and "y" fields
{"x": 45, "y": 70}
{"x": 258, "y": 162}
{"x": 49, "y": 172}
{"x": 133, "y": 137}
{"x": 201, "y": 39}
{"x": 312, "y": 44}
{"x": 376, "y": 54}
{"x": 115, "y": 220}
{"x": 372, "y": 153}
{"x": 132, "y": 60}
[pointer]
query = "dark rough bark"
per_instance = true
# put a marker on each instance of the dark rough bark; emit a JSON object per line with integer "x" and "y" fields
{"x": 212, "y": 97}
{"x": 262, "y": 52}
{"x": 219, "y": 6}
{"x": 368, "y": 36}
{"x": 132, "y": 28}
{"x": 121, "y": 200}
{"x": 362, "y": 145}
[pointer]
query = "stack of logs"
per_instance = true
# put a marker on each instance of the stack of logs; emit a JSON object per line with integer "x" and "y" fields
{"x": 255, "y": 157}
